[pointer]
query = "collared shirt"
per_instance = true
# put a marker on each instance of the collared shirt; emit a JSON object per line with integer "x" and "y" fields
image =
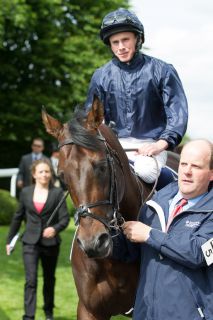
{"x": 36, "y": 156}
{"x": 191, "y": 202}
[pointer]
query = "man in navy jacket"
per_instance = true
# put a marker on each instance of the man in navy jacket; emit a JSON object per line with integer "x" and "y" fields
{"x": 175, "y": 281}
{"x": 142, "y": 95}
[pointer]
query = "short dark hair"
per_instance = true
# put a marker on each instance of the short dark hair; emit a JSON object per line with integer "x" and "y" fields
{"x": 38, "y": 139}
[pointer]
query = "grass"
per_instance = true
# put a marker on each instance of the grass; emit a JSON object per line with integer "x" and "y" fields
{"x": 12, "y": 282}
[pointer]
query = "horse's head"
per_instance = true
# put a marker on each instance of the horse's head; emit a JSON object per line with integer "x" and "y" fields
{"x": 90, "y": 172}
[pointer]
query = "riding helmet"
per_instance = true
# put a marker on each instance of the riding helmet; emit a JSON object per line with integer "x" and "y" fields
{"x": 120, "y": 20}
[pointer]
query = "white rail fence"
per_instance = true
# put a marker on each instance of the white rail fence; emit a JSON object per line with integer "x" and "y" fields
{"x": 7, "y": 173}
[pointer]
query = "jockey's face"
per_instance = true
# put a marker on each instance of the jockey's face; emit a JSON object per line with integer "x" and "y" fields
{"x": 123, "y": 45}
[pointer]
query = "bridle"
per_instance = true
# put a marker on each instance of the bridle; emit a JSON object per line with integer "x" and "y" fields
{"x": 84, "y": 209}
{"x": 113, "y": 200}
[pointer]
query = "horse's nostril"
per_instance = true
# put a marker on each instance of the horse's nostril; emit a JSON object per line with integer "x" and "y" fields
{"x": 99, "y": 247}
{"x": 102, "y": 241}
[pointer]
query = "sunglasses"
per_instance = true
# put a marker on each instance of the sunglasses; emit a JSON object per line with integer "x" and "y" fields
{"x": 37, "y": 145}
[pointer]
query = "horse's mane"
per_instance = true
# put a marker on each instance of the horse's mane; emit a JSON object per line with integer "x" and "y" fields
{"x": 83, "y": 137}
{"x": 80, "y": 135}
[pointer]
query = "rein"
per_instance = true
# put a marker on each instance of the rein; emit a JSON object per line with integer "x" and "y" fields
{"x": 57, "y": 208}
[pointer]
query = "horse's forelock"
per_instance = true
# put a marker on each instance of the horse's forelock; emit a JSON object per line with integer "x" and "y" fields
{"x": 80, "y": 135}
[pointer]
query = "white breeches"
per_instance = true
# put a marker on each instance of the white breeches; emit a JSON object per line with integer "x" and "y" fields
{"x": 144, "y": 166}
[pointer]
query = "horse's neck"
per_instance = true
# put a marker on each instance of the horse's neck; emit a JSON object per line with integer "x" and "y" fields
{"x": 115, "y": 145}
{"x": 131, "y": 201}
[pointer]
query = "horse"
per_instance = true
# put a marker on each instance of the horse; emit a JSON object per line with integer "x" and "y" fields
{"x": 105, "y": 192}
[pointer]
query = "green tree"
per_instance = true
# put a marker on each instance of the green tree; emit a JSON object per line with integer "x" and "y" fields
{"x": 48, "y": 52}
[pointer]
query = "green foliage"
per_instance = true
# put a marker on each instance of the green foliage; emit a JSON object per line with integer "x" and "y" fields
{"x": 48, "y": 51}
{"x": 70, "y": 207}
{"x": 186, "y": 139}
{"x": 8, "y": 207}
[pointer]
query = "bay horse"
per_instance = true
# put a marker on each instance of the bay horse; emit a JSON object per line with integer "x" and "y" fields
{"x": 105, "y": 192}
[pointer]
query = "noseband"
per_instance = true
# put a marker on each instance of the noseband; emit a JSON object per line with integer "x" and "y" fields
{"x": 84, "y": 210}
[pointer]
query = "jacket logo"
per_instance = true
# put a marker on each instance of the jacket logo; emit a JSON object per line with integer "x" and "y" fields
{"x": 192, "y": 224}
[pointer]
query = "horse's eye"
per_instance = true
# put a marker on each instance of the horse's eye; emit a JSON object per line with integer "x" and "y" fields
{"x": 100, "y": 167}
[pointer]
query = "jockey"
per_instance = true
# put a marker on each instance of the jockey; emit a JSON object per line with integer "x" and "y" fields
{"x": 142, "y": 95}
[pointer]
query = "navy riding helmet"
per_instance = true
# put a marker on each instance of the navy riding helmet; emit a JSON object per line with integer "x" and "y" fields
{"x": 120, "y": 20}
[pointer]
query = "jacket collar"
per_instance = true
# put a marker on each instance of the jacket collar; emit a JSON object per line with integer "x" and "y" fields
{"x": 138, "y": 60}
{"x": 167, "y": 193}
{"x": 30, "y": 191}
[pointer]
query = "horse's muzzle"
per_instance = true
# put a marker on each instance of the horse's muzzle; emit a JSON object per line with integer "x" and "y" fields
{"x": 98, "y": 248}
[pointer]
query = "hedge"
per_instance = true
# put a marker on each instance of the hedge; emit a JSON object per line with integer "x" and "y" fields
{"x": 8, "y": 206}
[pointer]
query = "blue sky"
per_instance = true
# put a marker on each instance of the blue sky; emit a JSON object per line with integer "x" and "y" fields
{"x": 180, "y": 33}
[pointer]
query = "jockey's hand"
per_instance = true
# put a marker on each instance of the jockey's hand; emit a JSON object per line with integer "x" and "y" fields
{"x": 136, "y": 231}
{"x": 49, "y": 232}
{"x": 154, "y": 148}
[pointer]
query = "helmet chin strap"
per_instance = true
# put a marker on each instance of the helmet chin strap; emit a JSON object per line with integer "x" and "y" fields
{"x": 138, "y": 43}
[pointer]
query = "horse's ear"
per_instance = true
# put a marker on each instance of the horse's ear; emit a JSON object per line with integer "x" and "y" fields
{"x": 52, "y": 125}
{"x": 96, "y": 114}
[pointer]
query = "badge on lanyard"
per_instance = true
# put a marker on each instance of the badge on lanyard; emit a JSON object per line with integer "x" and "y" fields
{"x": 207, "y": 249}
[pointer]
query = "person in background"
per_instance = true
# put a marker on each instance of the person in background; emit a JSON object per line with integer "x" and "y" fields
{"x": 24, "y": 175}
{"x": 142, "y": 95}
{"x": 175, "y": 280}
{"x": 54, "y": 158}
{"x": 40, "y": 241}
